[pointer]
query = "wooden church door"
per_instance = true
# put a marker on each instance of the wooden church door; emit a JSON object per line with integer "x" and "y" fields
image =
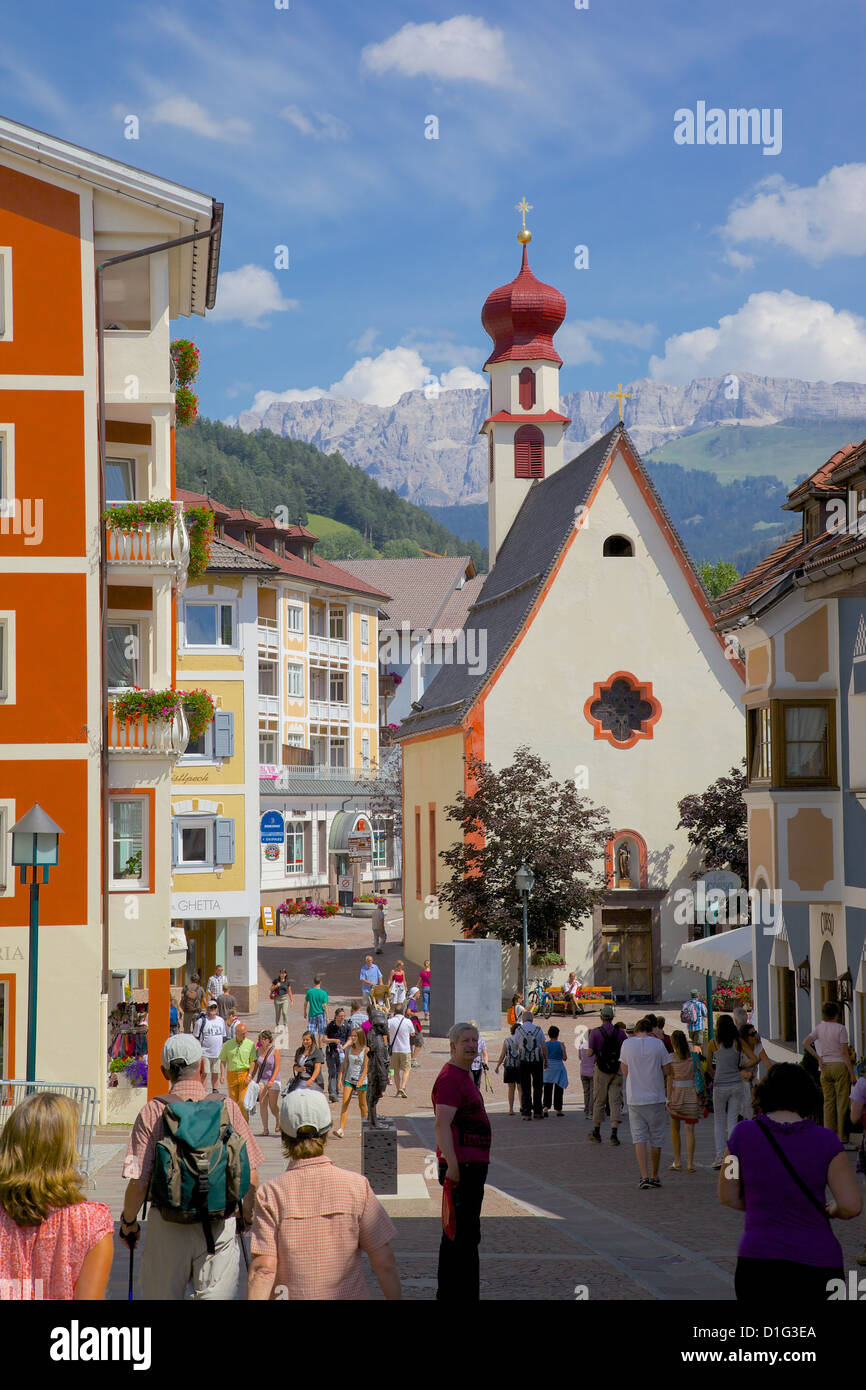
{"x": 626, "y": 958}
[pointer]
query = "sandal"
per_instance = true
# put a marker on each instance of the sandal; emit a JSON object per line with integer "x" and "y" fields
{"x": 338, "y": 1134}
{"x": 676, "y": 1168}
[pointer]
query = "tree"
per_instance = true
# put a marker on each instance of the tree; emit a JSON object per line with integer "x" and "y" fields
{"x": 522, "y": 815}
{"x": 401, "y": 549}
{"x": 718, "y": 577}
{"x": 717, "y": 824}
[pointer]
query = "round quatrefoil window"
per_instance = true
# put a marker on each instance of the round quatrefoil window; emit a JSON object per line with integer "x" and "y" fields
{"x": 622, "y": 709}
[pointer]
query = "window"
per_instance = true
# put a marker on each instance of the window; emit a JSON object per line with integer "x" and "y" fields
{"x": 431, "y": 822}
{"x": 202, "y": 842}
{"x": 124, "y": 650}
{"x": 318, "y": 746}
{"x": 338, "y": 752}
{"x": 526, "y": 388}
{"x": 295, "y": 617}
{"x": 128, "y": 830}
{"x": 201, "y": 748}
{"x": 811, "y": 523}
{"x": 295, "y": 679}
{"x": 417, "y": 851}
{"x": 119, "y": 480}
{"x": 380, "y": 845}
{"x": 7, "y": 680}
{"x": 295, "y": 741}
{"x": 365, "y": 632}
{"x": 268, "y": 748}
{"x": 337, "y": 624}
{"x": 267, "y": 678}
{"x": 7, "y": 469}
{"x": 807, "y": 734}
{"x": 7, "y": 818}
{"x": 5, "y": 309}
{"x": 209, "y": 624}
{"x": 759, "y": 748}
{"x": 295, "y": 847}
{"x": 490, "y": 456}
{"x": 337, "y": 687}
{"x": 317, "y": 620}
{"x": 317, "y": 685}
{"x": 529, "y": 452}
{"x": 365, "y": 687}
{"x": 365, "y": 751}
{"x": 617, "y": 545}
{"x": 7, "y": 1021}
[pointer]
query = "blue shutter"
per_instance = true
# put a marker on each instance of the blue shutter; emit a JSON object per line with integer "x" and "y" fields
{"x": 223, "y": 734}
{"x": 224, "y": 840}
{"x": 175, "y": 842}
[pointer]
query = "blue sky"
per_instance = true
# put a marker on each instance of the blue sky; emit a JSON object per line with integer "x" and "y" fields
{"x": 309, "y": 124}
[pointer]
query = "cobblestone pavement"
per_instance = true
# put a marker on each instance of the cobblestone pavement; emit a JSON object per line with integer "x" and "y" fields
{"x": 562, "y": 1218}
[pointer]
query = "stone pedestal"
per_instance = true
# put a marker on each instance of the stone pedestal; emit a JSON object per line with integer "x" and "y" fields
{"x": 379, "y": 1155}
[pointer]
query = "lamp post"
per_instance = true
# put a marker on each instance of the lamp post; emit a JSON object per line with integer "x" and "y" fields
{"x": 35, "y": 846}
{"x": 525, "y": 881}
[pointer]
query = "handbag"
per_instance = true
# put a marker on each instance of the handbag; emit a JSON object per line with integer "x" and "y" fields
{"x": 792, "y": 1172}
{"x": 251, "y": 1097}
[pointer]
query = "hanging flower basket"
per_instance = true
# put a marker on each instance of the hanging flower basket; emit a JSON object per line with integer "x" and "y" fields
{"x": 161, "y": 706}
{"x": 134, "y": 516}
{"x": 200, "y": 525}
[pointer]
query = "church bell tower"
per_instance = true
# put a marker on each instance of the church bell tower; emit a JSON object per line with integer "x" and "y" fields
{"x": 524, "y": 427}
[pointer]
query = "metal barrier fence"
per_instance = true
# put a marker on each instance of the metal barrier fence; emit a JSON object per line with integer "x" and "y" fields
{"x": 13, "y": 1092}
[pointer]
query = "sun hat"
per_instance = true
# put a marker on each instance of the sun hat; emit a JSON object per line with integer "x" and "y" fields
{"x": 305, "y": 1113}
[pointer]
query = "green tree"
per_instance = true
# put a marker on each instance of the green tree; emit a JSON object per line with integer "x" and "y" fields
{"x": 341, "y": 547}
{"x": 716, "y": 823}
{"x": 523, "y": 815}
{"x": 401, "y": 549}
{"x": 718, "y": 577}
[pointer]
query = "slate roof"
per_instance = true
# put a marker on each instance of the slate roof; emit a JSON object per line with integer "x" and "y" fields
{"x": 418, "y": 586}
{"x": 526, "y": 558}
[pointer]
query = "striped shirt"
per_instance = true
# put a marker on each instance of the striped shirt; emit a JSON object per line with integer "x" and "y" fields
{"x": 148, "y": 1130}
{"x": 314, "y": 1220}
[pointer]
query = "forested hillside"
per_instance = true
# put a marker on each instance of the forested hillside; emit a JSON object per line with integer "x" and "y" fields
{"x": 261, "y": 471}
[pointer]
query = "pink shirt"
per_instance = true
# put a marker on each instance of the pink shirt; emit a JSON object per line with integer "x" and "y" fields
{"x": 833, "y": 1039}
{"x": 44, "y": 1262}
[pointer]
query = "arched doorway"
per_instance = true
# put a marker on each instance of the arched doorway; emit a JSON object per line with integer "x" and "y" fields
{"x": 828, "y": 974}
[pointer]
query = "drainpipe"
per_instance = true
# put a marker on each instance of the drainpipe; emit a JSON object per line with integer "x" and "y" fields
{"x": 215, "y": 231}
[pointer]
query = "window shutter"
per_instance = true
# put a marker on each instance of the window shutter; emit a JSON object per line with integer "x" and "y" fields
{"x": 175, "y": 843}
{"x": 223, "y": 734}
{"x": 526, "y": 388}
{"x": 529, "y": 452}
{"x": 224, "y": 840}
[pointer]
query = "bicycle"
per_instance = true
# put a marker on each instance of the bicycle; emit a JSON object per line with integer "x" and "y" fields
{"x": 540, "y": 1002}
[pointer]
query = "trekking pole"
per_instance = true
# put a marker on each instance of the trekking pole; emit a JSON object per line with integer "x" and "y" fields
{"x": 131, "y": 1263}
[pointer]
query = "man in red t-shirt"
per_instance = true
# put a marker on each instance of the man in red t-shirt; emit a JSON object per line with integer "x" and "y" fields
{"x": 463, "y": 1151}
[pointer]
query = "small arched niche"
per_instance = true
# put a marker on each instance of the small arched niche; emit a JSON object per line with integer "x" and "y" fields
{"x": 618, "y": 545}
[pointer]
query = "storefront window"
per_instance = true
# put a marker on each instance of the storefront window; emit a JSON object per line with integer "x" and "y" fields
{"x": 295, "y": 847}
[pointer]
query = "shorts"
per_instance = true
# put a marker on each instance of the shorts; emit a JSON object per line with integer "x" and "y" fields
{"x": 317, "y": 1023}
{"x": 401, "y": 1059}
{"x": 211, "y": 1066}
{"x": 648, "y": 1123}
{"x": 511, "y": 1076}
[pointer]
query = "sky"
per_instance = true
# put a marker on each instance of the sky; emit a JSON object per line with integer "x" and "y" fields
{"x": 381, "y": 149}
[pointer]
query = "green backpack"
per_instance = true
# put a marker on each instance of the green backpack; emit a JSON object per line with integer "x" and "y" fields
{"x": 201, "y": 1169}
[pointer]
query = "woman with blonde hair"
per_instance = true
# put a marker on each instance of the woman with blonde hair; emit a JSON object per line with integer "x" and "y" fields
{"x": 54, "y": 1243}
{"x": 354, "y": 1077}
{"x": 397, "y": 984}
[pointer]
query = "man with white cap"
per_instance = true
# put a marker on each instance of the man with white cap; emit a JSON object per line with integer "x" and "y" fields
{"x": 311, "y": 1224}
{"x": 175, "y": 1255}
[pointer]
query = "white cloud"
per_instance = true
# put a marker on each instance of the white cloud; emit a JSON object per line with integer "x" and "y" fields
{"x": 462, "y": 49}
{"x": 772, "y": 334}
{"x": 366, "y": 341}
{"x": 263, "y": 399}
{"x": 576, "y": 338}
{"x": 738, "y": 260}
{"x": 442, "y": 350}
{"x": 248, "y": 294}
{"x": 827, "y": 219}
{"x": 462, "y": 379}
{"x": 320, "y": 125}
{"x": 188, "y": 115}
{"x": 380, "y": 380}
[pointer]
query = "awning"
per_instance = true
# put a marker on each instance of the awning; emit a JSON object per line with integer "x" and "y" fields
{"x": 717, "y": 955}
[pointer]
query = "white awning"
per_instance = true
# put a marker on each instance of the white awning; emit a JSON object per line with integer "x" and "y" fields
{"x": 717, "y": 955}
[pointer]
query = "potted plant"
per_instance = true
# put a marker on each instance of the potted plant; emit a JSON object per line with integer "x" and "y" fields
{"x": 200, "y": 523}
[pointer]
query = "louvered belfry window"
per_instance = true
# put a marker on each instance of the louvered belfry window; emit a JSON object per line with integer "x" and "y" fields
{"x": 529, "y": 452}
{"x": 526, "y": 388}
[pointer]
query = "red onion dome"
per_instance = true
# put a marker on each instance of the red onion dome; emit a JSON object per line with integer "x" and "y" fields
{"x": 522, "y": 317}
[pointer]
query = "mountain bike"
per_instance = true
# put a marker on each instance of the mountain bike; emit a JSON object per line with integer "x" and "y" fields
{"x": 540, "y": 1000}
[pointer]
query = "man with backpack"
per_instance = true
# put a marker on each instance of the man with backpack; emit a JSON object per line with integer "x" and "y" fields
{"x": 192, "y": 1003}
{"x": 532, "y": 1052}
{"x": 694, "y": 1016}
{"x": 604, "y": 1044}
{"x": 198, "y": 1160}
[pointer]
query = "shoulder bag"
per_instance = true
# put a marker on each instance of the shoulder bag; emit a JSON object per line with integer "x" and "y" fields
{"x": 792, "y": 1172}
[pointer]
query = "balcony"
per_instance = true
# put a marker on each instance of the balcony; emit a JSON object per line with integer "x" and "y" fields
{"x": 268, "y": 636}
{"x": 144, "y": 736}
{"x": 329, "y": 647}
{"x": 328, "y": 712}
{"x": 154, "y": 545}
{"x": 269, "y": 704}
{"x": 138, "y": 366}
{"x": 321, "y": 772}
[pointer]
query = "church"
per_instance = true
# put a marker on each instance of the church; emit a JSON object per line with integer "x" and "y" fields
{"x": 601, "y": 656}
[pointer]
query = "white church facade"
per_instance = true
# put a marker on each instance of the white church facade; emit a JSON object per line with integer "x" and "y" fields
{"x": 602, "y": 658}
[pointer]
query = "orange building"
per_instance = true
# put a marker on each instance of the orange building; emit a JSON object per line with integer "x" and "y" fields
{"x": 88, "y": 609}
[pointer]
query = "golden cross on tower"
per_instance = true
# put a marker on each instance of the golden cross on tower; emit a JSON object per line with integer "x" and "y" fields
{"x": 620, "y": 395}
{"x": 523, "y": 236}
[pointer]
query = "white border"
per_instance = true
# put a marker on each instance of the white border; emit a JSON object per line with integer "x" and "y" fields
{"x": 7, "y": 690}
{"x": 7, "y": 493}
{"x": 5, "y": 294}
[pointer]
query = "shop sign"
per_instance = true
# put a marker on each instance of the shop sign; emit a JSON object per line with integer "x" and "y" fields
{"x": 273, "y": 828}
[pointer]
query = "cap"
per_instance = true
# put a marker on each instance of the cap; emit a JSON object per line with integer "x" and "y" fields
{"x": 305, "y": 1113}
{"x": 183, "y": 1048}
{"x": 605, "y": 1011}
{"x": 693, "y": 993}
{"x": 415, "y": 990}
{"x": 213, "y": 1004}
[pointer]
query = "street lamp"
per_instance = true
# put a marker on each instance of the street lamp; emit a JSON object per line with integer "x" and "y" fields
{"x": 35, "y": 846}
{"x": 525, "y": 881}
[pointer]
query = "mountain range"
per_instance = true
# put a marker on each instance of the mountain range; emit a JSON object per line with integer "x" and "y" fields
{"x": 427, "y": 446}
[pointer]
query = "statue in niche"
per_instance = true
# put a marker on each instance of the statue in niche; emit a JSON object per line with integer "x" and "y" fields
{"x": 623, "y": 864}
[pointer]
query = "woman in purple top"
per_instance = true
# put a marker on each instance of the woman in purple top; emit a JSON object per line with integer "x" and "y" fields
{"x": 267, "y": 1073}
{"x": 776, "y": 1169}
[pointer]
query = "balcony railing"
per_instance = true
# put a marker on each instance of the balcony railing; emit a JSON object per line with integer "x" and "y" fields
{"x": 328, "y": 646}
{"x": 268, "y": 635}
{"x": 269, "y": 704}
{"x": 329, "y": 712}
{"x": 155, "y": 544}
{"x": 163, "y": 737}
{"x": 323, "y": 773}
